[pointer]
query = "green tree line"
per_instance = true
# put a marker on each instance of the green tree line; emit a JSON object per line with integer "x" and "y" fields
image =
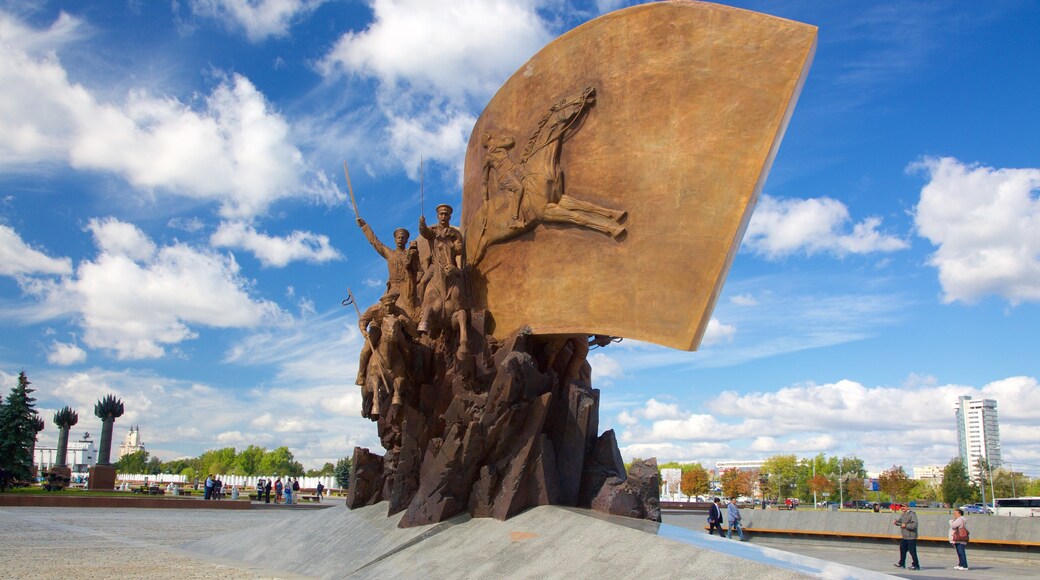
{"x": 251, "y": 461}
{"x": 787, "y": 475}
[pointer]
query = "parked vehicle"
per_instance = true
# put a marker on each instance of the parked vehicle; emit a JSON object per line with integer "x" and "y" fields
{"x": 973, "y": 509}
{"x": 895, "y": 506}
{"x": 1028, "y": 507}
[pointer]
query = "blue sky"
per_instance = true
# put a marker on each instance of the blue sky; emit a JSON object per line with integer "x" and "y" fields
{"x": 174, "y": 226}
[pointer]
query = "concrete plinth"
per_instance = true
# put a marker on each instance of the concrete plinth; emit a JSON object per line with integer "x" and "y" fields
{"x": 102, "y": 477}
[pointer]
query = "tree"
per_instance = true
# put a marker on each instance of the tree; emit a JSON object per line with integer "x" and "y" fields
{"x": 247, "y": 462}
{"x": 855, "y": 488}
{"x": 820, "y": 484}
{"x": 955, "y": 487}
{"x": 218, "y": 461}
{"x": 108, "y": 409}
{"x": 922, "y": 490}
{"x": 136, "y": 462}
{"x": 65, "y": 419}
{"x": 783, "y": 474}
{"x": 695, "y": 481}
{"x": 343, "y": 473}
{"x": 895, "y": 483}
{"x": 735, "y": 482}
{"x": 280, "y": 461}
{"x": 18, "y": 431}
{"x": 1009, "y": 483}
{"x": 328, "y": 469}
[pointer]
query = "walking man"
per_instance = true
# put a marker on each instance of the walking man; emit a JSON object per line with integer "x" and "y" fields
{"x": 715, "y": 518}
{"x": 734, "y": 520}
{"x": 907, "y": 523}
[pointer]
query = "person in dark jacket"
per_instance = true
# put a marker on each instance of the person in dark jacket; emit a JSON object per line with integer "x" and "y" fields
{"x": 715, "y": 518}
{"x": 267, "y": 491}
{"x": 907, "y": 523}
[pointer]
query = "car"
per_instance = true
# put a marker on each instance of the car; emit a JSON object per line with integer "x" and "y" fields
{"x": 894, "y": 506}
{"x": 973, "y": 509}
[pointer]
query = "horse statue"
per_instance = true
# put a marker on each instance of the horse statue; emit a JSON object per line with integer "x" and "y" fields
{"x": 520, "y": 194}
{"x": 387, "y": 369}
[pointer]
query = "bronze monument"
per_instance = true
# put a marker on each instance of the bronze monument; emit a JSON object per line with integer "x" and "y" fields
{"x": 607, "y": 187}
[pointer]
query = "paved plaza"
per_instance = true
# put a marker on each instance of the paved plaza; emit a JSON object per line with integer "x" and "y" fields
{"x": 148, "y": 543}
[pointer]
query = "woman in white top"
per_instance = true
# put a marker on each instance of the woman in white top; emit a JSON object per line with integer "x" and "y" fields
{"x": 956, "y": 524}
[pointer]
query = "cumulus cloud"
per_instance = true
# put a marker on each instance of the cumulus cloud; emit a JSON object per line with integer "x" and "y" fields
{"x": 228, "y": 147}
{"x": 18, "y": 258}
{"x": 136, "y": 299}
{"x": 986, "y": 224}
{"x": 783, "y": 227}
{"x": 272, "y": 250}
{"x": 718, "y": 332}
{"x": 64, "y": 354}
{"x": 259, "y": 19}
{"x": 604, "y": 369}
{"x": 840, "y": 417}
{"x": 435, "y": 61}
{"x": 182, "y": 418}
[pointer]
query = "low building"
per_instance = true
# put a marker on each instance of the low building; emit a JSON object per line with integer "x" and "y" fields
{"x": 932, "y": 474}
{"x": 80, "y": 455}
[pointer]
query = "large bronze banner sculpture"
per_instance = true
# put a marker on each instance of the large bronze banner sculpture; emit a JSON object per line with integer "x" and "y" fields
{"x": 607, "y": 187}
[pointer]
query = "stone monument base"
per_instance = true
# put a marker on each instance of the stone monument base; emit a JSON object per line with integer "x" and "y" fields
{"x": 102, "y": 477}
{"x": 542, "y": 542}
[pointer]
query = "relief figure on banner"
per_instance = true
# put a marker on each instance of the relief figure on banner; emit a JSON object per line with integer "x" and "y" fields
{"x": 520, "y": 194}
{"x": 402, "y": 263}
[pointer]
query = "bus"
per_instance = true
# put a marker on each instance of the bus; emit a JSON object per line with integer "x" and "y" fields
{"x": 1028, "y": 507}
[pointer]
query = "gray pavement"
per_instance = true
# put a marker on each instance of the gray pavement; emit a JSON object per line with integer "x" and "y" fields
{"x": 542, "y": 543}
{"x": 879, "y": 556}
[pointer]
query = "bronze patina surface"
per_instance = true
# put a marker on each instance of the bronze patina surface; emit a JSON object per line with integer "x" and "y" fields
{"x": 621, "y": 165}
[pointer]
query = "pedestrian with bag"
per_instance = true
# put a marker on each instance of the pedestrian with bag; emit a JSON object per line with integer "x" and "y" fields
{"x": 959, "y": 539}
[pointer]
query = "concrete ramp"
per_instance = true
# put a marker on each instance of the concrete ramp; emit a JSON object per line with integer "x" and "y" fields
{"x": 544, "y": 542}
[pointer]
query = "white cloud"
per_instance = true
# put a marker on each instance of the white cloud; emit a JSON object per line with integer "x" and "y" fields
{"x": 604, "y": 369}
{"x": 64, "y": 354}
{"x": 259, "y": 19}
{"x": 986, "y": 224}
{"x": 435, "y": 61}
{"x": 718, "y": 332}
{"x": 782, "y": 227}
{"x": 272, "y": 250}
{"x": 121, "y": 239}
{"x": 917, "y": 422}
{"x": 446, "y": 47}
{"x": 180, "y": 418}
{"x": 233, "y": 149}
{"x": 744, "y": 300}
{"x": 18, "y": 258}
{"x": 136, "y": 301}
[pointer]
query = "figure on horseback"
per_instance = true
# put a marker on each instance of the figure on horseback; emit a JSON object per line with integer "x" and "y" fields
{"x": 520, "y": 194}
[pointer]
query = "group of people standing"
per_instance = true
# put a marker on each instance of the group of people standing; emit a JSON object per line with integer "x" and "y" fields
{"x": 907, "y": 522}
{"x": 287, "y": 492}
{"x": 214, "y": 488}
{"x": 908, "y": 526}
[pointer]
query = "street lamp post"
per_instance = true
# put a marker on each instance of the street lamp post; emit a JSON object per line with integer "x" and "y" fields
{"x": 841, "y": 490}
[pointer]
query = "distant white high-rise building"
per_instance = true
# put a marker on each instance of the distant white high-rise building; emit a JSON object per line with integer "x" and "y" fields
{"x": 978, "y": 433}
{"x": 131, "y": 443}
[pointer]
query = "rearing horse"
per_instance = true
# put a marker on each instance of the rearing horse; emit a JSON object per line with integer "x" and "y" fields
{"x": 519, "y": 195}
